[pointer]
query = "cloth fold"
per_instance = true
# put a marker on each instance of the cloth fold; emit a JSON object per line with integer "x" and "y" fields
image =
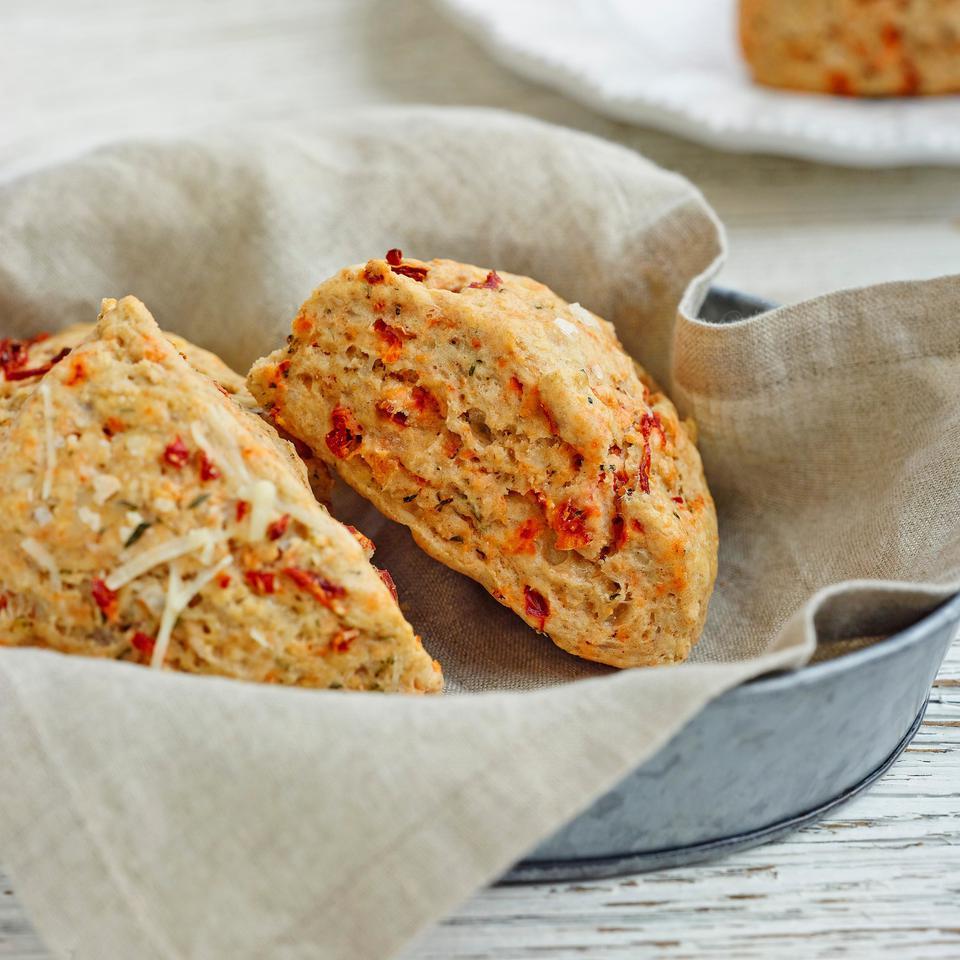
{"x": 193, "y": 818}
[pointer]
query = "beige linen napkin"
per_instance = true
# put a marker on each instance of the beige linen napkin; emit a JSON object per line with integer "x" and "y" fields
{"x": 184, "y": 818}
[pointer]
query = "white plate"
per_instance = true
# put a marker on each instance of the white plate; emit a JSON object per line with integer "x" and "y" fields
{"x": 676, "y": 65}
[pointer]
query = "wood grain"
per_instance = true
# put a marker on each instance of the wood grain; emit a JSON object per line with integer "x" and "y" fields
{"x": 882, "y": 875}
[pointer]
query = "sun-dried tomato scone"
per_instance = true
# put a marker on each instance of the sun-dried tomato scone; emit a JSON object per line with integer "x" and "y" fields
{"x": 23, "y": 363}
{"x": 147, "y": 516}
{"x": 514, "y": 436}
{"x": 879, "y": 48}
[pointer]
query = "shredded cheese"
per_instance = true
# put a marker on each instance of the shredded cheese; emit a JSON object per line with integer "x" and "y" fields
{"x": 42, "y": 515}
{"x": 584, "y": 316}
{"x": 179, "y": 594}
{"x": 105, "y": 485}
{"x": 161, "y": 553}
{"x": 262, "y": 495}
{"x": 43, "y": 558}
{"x": 50, "y": 447}
{"x": 90, "y": 517}
{"x": 259, "y": 638}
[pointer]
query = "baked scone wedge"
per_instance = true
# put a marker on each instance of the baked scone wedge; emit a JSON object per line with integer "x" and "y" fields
{"x": 516, "y": 439}
{"x": 147, "y": 516}
{"x": 23, "y": 362}
{"x": 883, "y": 48}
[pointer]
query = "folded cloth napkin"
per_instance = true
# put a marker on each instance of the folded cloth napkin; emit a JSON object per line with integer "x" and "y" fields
{"x": 154, "y": 815}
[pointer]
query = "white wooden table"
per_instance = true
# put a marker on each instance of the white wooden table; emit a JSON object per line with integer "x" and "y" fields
{"x": 882, "y": 875}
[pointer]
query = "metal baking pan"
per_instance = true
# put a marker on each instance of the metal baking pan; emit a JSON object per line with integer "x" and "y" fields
{"x": 763, "y": 758}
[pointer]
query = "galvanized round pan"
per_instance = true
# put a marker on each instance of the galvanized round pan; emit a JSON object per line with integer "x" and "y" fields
{"x": 764, "y": 758}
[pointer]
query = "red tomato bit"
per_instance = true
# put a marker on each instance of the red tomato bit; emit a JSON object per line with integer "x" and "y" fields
{"x": 346, "y": 436}
{"x": 650, "y": 422}
{"x": 143, "y": 642}
{"x": 391, "y": 586}
{"x": 643, "y": 474}
{"x": 208, "y": 470}
{"x": 537, "y": 606}
{"x": 570, "y": 523}
{"x": 318, "y": 587}
{"x": 408, "y": 270}
{"x": 385, "y": 409}
{"x": 279, "y": 527}
{"x": 36, "y": 371}
{"x": 394, "y": 257}
{"x": 261, "y": 581}
{"x": 105, "y": 599}
{"x": 243, "y": 508}
{"x": 223, "y": 581}
{"x": 493, "y": 282}
{"x": 176, "y": 453}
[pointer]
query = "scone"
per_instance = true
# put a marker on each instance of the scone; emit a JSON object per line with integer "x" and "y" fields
{"x": 23, "y": 362}
{"x": 149, "y": 517}
{"x": 516, "y": 439}
{"x": 876, "y": 49}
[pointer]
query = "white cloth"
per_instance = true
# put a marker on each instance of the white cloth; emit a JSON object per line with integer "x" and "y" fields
{"x": 165, "y": 816}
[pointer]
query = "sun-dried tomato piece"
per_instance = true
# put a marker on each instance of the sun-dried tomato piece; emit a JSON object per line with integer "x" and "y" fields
{"x": 242, "y": 509}
{"x": 78, "y": 372}
{"x": 372, "y": 276}
{"x": 386, "y": 410}
{"x": 208, "y": 469}
{"x": 391, "y": 340}
{"x": 643, "y": 473}
{"x": 105, "y": 599}
{"x": 524, "y": 539}
{"x": 394, "y": 257}
{"x": 408, "y": 270}
{"x": 369, "y": 547}
{"x": 15, "y": 353}
{"x": 343, "y": 640}
{"x": 425, "y": 402}
{"x": 677, "y": 499}
{"x": 493, "y": 282}
{"x": 536, "y": 605}
{"x": 143, "y": 642}
{"x": 318, "y": 587}
{"x": 261, "y": 581}
{"x": 391, "y": 586}
{"x": 176, "y": 453}
{"x": 570, "y": 523}
{"x": 650, "y": 422}
{"x": 223, "y": 581}
{"x": 20, "y": 374}
{"x": 346, "y": 436}
{"x": 279, "y": 527}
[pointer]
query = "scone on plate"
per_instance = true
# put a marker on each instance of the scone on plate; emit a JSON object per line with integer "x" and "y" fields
{"x": 148, "y": 516}
{"x": 23, "y": 362}
{"x": 516, "y": 439}
{"x": 881, "y": 48}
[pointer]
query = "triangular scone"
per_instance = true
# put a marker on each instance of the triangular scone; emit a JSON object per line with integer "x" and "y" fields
{"x": 146, "y": 516}
{"x": 516, "y": 439}
{"x": 23, "y": 362}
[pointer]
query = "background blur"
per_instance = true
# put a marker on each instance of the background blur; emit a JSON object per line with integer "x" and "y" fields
{"x": 74, "y": 74}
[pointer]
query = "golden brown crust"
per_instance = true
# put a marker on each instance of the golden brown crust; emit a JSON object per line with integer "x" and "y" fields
{"x": 848, "y": 47}
{"x": 141, "y": 505}
{"x": 512, "y": 434}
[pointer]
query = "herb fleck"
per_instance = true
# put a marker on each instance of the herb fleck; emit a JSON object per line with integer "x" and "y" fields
{"x": 138, "y": 532}
{"x": 197, "y": 500}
